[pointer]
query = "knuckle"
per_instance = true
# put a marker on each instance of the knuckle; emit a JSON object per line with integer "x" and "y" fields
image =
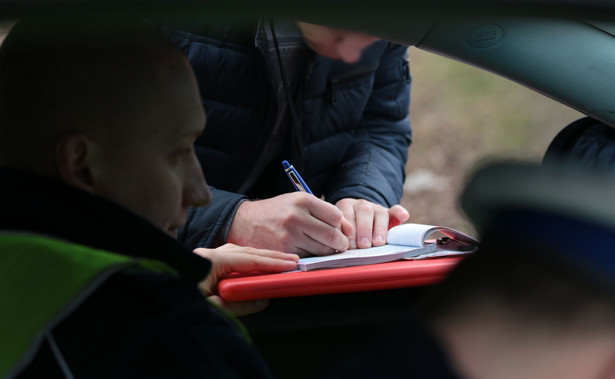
{"x": 333, "y": 237}
{"x": 345, "y": 204}
{"x": 337, "y": 215}
{"x": 304, "y": 198}
{"x": 289, "y": 220}
{"x": 364, "y": 206}
{"x": 380, "y": 210}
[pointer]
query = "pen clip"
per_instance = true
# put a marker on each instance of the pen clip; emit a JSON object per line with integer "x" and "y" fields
{"x": 295, "y": 178}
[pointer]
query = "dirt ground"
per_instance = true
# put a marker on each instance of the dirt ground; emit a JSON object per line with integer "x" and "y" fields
{"x": 463, "y": 117}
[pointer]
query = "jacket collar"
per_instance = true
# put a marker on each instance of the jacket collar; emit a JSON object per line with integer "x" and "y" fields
{"x": 35, "y": 203}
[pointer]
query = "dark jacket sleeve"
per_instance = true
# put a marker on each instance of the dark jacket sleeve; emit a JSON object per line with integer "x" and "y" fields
{"x": 374, "y": 165}
{"x": 585, "y": 143}
{"x": 149, "y": 325}
{"x": 208, "y": 226}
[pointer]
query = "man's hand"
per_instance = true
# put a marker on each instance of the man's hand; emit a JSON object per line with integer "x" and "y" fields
{"x": 370, "y": 221}
{"x": 231, "y": 258}
{"x": 294, "y": 222}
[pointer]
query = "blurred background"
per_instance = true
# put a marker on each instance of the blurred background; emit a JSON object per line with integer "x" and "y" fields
{"x": 463, "y": 117}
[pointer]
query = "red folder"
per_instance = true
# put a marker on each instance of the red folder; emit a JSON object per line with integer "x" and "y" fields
{"x": 380, "y": 276}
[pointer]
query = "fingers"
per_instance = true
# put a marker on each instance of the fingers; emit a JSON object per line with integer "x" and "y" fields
{"x": 230, "y": 258}
{"x": 381, "y": 225}
{"x": 231, "y": 248}
{"x": 302, "y": 223}
{"x": 348, "y": 229}
{"x": 325, "y": 230}
{"x": 245, "y": 263}
{"x": 364, "y": 213}
{"x": 292, "y": 222}
{"x": 239, "y": 308}
{"x": 314, "y": 248}
{"x": 370, "y": 222}
{"x": 322, "y": 239}
{"x": 325, "y": 212}
{"x": 398, "y": 215}
{"x": 349, "y": 226}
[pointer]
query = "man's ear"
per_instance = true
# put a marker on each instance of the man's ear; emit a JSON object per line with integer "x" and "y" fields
{"x": 74, "y": 159}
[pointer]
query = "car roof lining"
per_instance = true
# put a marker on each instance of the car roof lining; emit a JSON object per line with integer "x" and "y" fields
{"x": 538, "y": 44}
{"x": 567, "y": 60}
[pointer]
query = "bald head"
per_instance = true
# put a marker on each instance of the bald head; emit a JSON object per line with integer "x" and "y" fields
{"x": 95, "y": 76}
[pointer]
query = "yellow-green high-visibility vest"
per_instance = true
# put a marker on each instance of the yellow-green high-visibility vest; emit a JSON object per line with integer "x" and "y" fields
{"x": 42, "y": 280}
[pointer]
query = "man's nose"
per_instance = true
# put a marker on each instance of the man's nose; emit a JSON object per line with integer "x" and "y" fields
{"x": 196, "y": 192}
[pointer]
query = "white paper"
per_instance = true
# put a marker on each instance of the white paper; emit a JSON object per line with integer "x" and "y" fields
{"x": 416, "y": 234}
{"x": 356, "y": 257}
{"x": 405, "y": 241}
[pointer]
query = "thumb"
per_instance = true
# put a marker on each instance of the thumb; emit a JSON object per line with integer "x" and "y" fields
{"x": 397, "y": 215}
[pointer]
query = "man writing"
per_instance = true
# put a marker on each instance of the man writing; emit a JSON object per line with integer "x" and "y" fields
{"x": 334, "y": 103}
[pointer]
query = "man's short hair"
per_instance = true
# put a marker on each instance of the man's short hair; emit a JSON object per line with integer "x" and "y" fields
{"x": 59, "y": 75}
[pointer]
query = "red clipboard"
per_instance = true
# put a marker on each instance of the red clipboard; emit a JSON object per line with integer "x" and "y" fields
{"x": 380, "y": 276}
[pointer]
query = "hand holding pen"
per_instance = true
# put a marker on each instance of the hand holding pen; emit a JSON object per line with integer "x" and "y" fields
{"x": 295, "y": 222}
{"x": 367, "y": 223}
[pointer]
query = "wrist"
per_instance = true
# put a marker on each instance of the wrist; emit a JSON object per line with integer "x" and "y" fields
{"x": 239, "y": 229}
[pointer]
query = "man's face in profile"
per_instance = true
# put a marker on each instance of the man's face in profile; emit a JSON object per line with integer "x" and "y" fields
{"x": 154, "y": 172}
{"x": 114, "y": 112}
{"x": 335, "y": 43}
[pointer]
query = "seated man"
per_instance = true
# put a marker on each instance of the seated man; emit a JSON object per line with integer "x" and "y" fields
{"x": 536, "y": 301}
{"x": 97, "y": 172}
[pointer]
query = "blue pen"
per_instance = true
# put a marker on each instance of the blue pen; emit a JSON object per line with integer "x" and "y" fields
{"x": 295, "y": 178}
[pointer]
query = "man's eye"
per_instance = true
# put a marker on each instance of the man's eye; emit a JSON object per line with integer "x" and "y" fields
{"x": 181, "y": 154}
